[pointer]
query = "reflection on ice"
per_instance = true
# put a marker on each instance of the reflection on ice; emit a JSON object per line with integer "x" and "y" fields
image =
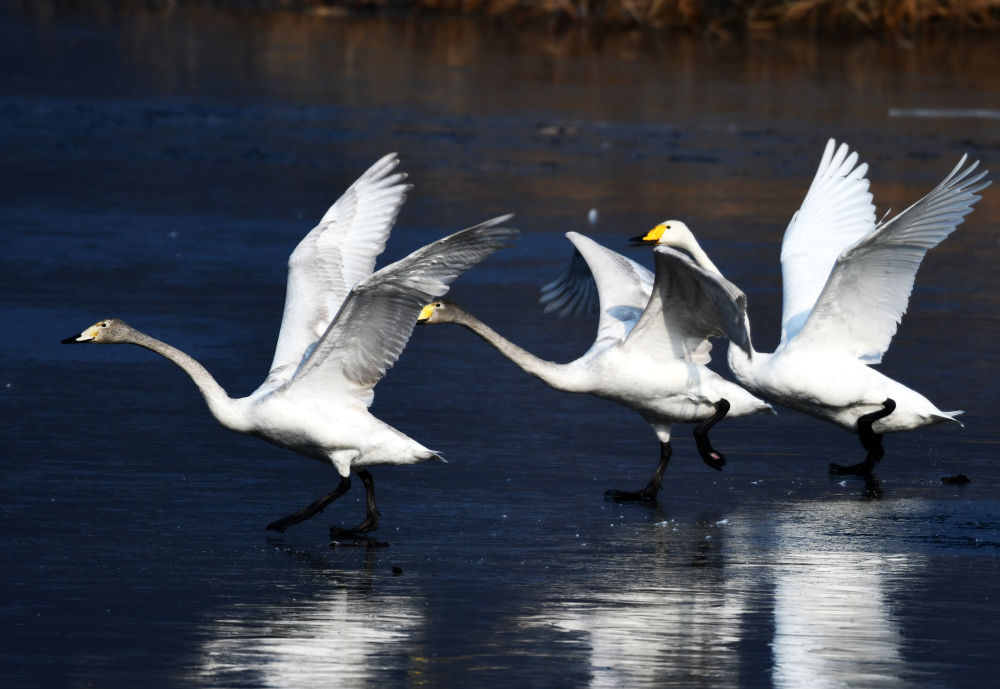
{"x": 821, "y": 599}
{"x": 345, "y": 637}
{"x": 679, "y": 627}
{"x": 833, "y": 619}
{"x": 642, "y": 638}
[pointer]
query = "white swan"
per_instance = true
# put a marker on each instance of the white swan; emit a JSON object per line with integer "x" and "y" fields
{"x": 651, "y": 347}
{"x": 343, "y": 326}
{"x": 847, "y": 281}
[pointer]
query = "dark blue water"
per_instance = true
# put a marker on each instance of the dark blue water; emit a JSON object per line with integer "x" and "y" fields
{"x": 160, "y": 168}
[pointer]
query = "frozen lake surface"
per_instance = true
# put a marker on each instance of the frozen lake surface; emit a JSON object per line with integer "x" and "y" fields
{"x": 160, "y": 168}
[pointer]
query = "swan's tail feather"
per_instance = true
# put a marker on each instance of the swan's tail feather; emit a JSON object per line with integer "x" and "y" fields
{"x": 950, "y": 416}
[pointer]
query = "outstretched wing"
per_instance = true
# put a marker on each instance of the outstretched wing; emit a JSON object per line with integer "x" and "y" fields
{"x": 623, "y": 288}
{"x": 335, "y": 255}
{"x": 376, "y": 320}
{"x": 689, "y": 305}
{"x": 867, "y": 293}
{"x": 573, "y": 292}
{"x": 837, "y": 211}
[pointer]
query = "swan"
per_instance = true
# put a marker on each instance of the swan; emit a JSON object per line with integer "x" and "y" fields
{"x": 651, "y": 347}
{"x": 847, "y": 281}
{"x": 342, "y": 328}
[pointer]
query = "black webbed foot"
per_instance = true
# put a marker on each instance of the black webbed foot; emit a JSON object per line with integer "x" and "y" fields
{"x": 957, "y": 480}
{"x": 310, "y": 511}
{"x": 859, "y": 469}
{"x": 280, "y": 525}
{"x": 652, "y": 488}
{"x": 615, "y": 495}
{"x": 864, "y": 468}
{"x": 714, "y": 459}
{"x": 709, "y": 454}
{"x": 358, "y": 535}
{"x": 360, "y": 531}
{"x": 873, "y": 488}
{"x": 349, "y": 537}
{"x": 870, "y": 440}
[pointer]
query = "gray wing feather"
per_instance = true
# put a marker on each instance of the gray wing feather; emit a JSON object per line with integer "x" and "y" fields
{"x": 688, "y": 306}
{"x": 376, "y": 320}
{"x": 334, "y": 256}
{"x": 623, "y": 288}
{"x": 574, "y": 292}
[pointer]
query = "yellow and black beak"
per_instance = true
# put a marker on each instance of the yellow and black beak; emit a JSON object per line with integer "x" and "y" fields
{"x": 651, "y": 237}
{"x": 425, "y": 313}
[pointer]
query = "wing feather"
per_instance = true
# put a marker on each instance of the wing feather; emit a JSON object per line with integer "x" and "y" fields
{"x": 337, "y": 254}
{"x": 836, "y": 212}
{"x": 377, "y": 318}
{"x": 623, "y": 288}
{"x": 868, "y": 290}
{"x": 688, "y": 306}
{"x": 574, "y": 292}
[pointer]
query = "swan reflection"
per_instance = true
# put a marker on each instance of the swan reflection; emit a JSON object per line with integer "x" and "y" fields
{"x": 677, "y": 623}
{"x": 813, "y": 610}
{"x": 346, "y": 637}
{"x": 834, "y": 624}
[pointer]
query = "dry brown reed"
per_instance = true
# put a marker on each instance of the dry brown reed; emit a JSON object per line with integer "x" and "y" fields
{"x": 712, "y": 17}
{"x": 812, "y": 16}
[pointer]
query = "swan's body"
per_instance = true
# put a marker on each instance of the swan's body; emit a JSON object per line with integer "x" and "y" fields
{"x": 835, "y": 388}
{"x": 343, "y": 327}
{"x": 651, "y": 346}
{"x": 847, "y": 281}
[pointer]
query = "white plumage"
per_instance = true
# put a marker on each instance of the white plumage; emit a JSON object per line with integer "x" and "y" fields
{"x": 651, "y": 346}
{"x": 847, "y": 283}
{"x": 343, "y": 327}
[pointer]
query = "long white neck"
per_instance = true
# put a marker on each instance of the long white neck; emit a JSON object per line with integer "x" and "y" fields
{"x": 222, "y": 406}
{"x": 552, "y": 374}
{"x": 700, "y": 257}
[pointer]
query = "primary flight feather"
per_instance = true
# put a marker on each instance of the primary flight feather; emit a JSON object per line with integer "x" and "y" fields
{"x": 847, "y": 283}
{"x": 342, "y": 328}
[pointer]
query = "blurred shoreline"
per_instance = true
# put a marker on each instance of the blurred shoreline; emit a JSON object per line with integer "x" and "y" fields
{"x": 719, "y": 19}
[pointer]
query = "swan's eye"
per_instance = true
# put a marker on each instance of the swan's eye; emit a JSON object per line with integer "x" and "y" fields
{"x": 104, "y": 325}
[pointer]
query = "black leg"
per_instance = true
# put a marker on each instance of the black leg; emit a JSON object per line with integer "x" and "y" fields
{"x": 873, "y": 488}
{"x": 308, "y": 512}
{"x": 708, "y": 454}
{"x": 652, "y": 488}
{"x": 870, "y": 440}
{"x": 371, "y": 518}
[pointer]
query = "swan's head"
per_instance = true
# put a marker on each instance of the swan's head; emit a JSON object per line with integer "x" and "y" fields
{"x": 108, "y": 331}
{"x": 669, "y": 233}
{"x": 440, "y": 311}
